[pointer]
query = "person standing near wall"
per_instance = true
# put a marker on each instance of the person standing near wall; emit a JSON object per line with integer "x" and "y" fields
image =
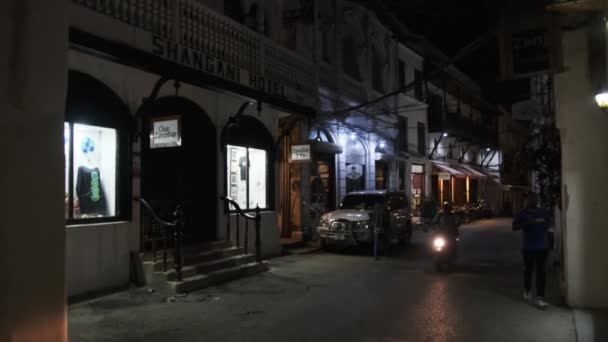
{"x": 534, "y": 223}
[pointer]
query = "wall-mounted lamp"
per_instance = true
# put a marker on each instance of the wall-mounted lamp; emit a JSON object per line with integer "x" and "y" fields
{"x": 380, "y": 148}
{"x": 487, "y": 149}
{"x": 602, "y": 100}
{"x": 353, "y": 136}
{"x": 445, "y": 134}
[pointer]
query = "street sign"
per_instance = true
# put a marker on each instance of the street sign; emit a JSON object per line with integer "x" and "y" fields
{"x": 300, "y": 153}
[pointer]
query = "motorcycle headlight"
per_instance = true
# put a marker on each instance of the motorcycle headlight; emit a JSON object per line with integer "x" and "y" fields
{"x": 439, "y": 242}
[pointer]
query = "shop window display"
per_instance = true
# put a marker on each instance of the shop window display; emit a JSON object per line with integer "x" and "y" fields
{"x": 91, "y": 171}
{"x": 247, "y": 176}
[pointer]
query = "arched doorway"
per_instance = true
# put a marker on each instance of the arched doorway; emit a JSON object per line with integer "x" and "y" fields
{"x": 355, "y": 157}
{"x": 179, "y": 164}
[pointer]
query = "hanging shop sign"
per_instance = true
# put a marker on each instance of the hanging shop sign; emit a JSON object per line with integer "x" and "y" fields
{"x": 530, "y": 47}
{"x": 446, "y": 176}
{"x": 354, "y": 171}
{"x": 165, "y": 132}
{"x": 300, "y": 153}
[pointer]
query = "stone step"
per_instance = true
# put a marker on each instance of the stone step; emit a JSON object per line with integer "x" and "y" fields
{"x": 194, "y": 258}
{"x": 201, "y": 281}
{"x": 206, "y": 267}
{"x": 189, "y": 249}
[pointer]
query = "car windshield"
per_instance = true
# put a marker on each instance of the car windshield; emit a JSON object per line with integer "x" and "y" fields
{"x": 361, "y": 202}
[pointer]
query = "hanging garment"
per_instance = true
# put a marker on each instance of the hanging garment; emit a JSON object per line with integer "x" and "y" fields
{"x": 89, "y": 191}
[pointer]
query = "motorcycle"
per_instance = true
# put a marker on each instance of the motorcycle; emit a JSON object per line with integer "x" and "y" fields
{"x": 445, "y": 249}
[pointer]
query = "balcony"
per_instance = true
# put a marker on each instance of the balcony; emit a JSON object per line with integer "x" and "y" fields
{"x": 463, "y": 128}
{"x": 185, "y": 32}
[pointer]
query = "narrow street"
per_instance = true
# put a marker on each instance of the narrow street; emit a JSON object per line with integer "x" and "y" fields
{"x": 347, "y": 296}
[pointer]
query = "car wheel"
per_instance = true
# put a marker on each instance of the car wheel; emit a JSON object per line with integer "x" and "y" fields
{"x": 322, "y": 244}
{"x": 407, "y": 236}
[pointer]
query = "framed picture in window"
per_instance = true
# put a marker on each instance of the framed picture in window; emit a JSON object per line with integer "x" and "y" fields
{"x": 234, "y": 154}
{"x": 233, "y": 179}
{"x": 233, "y": 191}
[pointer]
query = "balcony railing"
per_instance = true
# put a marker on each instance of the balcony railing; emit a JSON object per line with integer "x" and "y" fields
{"x": 262, "y": 63}
{"x": 462, "y": 127}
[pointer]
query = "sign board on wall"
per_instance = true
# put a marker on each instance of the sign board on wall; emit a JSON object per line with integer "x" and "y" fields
{"x": 354, "y": 171}
{"x": 165, "y": 132}
{"x": 529, "y": 47}
{"x": 446, "y": 176}
{"x": 300, "y": 153}
{"x": 200, "y": 61}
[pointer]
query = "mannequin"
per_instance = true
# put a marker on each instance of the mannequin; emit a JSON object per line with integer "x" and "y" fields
{"x": 88, "y": 184}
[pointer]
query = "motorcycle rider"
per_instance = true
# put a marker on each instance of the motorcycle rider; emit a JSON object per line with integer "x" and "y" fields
{"x": 446, "y": 220}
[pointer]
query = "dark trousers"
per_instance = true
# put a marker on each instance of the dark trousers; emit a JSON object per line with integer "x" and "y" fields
{"x": 535, "y": 261}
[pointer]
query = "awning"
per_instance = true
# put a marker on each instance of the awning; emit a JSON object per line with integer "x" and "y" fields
{"x": 448, "y": 169}
{"x": 471, "y": 172}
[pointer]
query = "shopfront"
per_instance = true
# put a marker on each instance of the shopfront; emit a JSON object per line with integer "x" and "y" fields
{"x": 418, "y": 182}
{"x": 308, "y": 180}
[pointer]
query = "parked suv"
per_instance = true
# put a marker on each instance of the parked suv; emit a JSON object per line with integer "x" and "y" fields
{"x": 362, "y": 211}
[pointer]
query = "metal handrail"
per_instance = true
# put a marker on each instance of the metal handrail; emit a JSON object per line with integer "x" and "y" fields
{"x": 175, "y": 228}
{"x": 153, "y": 214}
{"x": 237, "y": 207}
{"x": 248, "y": 217}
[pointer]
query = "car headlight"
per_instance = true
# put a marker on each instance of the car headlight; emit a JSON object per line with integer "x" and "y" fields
{"x": 324, "y": 222}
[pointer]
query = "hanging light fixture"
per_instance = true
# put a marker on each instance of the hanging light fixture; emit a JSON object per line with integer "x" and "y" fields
{"x": 380, "y": 148}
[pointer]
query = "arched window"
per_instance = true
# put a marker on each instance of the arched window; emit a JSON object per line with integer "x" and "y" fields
{"x": 249, "y": 157}
{"x": 96, "y": 145}
{"x": 350, "y": 58}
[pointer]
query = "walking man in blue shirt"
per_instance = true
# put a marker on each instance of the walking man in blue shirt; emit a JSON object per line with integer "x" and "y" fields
{"x": 534, "y": 224}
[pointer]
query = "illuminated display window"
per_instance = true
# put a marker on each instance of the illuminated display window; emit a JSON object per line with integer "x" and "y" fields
{"x": 247, "y": 173}
{"x": 96, "y": 153}
{"x": 91, "y": 157}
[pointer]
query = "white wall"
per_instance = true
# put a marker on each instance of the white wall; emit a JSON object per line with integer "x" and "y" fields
{"x": 584, "y": 167}
{"x": 33, "y": 35}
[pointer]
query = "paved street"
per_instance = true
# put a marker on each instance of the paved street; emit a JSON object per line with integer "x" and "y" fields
{"x": 346, "y": 296}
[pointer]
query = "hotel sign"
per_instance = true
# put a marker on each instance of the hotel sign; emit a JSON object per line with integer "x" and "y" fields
{"x": 198, "y": 60}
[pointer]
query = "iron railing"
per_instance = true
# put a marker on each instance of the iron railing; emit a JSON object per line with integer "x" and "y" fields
{"x": 169, "y": 232}
{"x": 255, "y": 217}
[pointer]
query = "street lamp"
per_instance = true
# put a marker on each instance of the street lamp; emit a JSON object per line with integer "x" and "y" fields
{"x": 445, "y": 134}
{"x": 602, "y": 100}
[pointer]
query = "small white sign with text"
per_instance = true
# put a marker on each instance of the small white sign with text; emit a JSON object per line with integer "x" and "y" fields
{"x": 165, "y": 133}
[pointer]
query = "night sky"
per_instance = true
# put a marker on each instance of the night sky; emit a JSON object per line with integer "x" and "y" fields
{"x": 450, "y": 25}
